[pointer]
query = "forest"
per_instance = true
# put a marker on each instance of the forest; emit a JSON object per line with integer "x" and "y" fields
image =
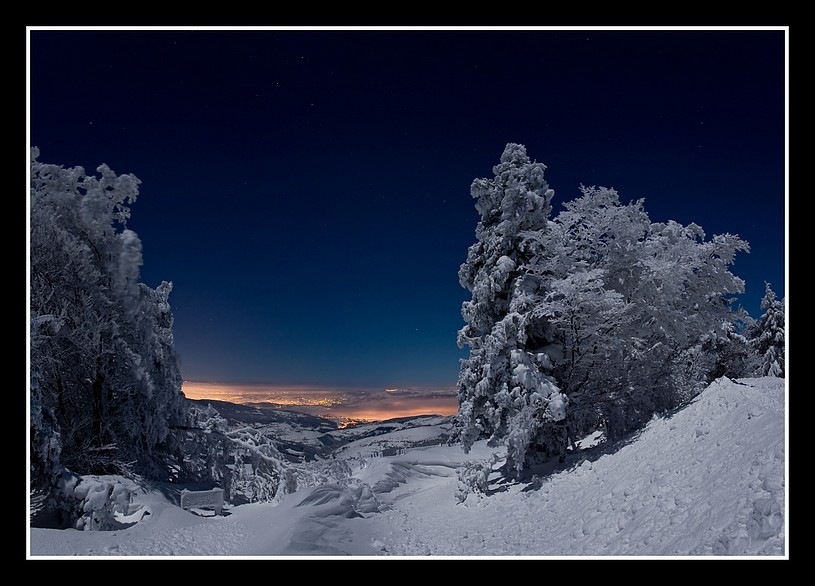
{"x": 593, "y": 319}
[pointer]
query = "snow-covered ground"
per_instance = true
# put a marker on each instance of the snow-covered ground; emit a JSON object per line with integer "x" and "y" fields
{"x": 710, "y": 480}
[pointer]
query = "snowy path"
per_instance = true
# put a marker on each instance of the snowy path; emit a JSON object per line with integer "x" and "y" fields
{"x": 678, "y": 490}
{"x": 707, "y": 481}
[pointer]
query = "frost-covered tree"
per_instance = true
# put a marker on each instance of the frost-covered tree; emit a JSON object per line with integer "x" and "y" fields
{"x": 630, "y": 300}
{"x": 690, "y": 292}
{"x": 768, "y": 334}
{"x": 596, "y": 318}
{"x": 723, "y": 351}
{"x": 105, "y": 384}
{"x": 105, "y": 381}
{"x": 504, "y": 390}
{"x": 591, "y": 243}
{"x": 46, "y": 441}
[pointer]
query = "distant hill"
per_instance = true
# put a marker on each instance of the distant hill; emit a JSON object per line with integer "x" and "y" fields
{"x": 301, "y": 436}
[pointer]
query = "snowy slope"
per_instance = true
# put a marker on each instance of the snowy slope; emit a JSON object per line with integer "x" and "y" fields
{"x": 707, "y": 481}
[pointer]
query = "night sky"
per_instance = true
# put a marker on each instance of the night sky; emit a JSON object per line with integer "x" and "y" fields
{"x": 307, "y": 192}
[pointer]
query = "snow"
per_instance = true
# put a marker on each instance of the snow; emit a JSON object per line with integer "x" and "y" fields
{"x": 708, "y": 480}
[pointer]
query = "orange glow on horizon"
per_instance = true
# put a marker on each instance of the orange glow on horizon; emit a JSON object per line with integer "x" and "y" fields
{"x": 388, "y": 408}
{"x": 354, "y": 404}
{"x": 247, "y": 393}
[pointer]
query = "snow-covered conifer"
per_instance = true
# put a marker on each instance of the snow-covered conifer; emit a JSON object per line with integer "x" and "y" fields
{"x": 504, "y": 388}
{"x": 768, "y": 334}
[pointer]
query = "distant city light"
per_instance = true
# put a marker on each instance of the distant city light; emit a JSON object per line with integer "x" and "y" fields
{"x": 344, "y": 406}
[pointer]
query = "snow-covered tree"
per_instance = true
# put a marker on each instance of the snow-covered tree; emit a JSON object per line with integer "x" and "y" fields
{"x": 105, "y": 384}
{"x": 720, "y": 352}
{"x": 630, "y": 300}
{"x": 768, "y": 334}
{"x": 596, "y": 318}
{"x": 504, "y": 390}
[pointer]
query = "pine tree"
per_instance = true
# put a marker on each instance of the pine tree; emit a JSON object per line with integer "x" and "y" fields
{"x": 768, "y": 334}
{"x": 504, "y": 390}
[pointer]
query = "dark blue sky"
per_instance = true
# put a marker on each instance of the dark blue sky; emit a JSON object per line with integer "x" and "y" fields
{"x": 307, "y": 192}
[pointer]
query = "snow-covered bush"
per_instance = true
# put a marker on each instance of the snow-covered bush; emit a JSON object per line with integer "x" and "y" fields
{"x": 474, "y": 477}
{"x": 257, "y": 466}
{"x": 96, "y": 500}
{"x": 207, "y": 418}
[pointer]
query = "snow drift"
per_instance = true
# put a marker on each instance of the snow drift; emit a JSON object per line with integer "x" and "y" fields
{"x": 707, "y": 480}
